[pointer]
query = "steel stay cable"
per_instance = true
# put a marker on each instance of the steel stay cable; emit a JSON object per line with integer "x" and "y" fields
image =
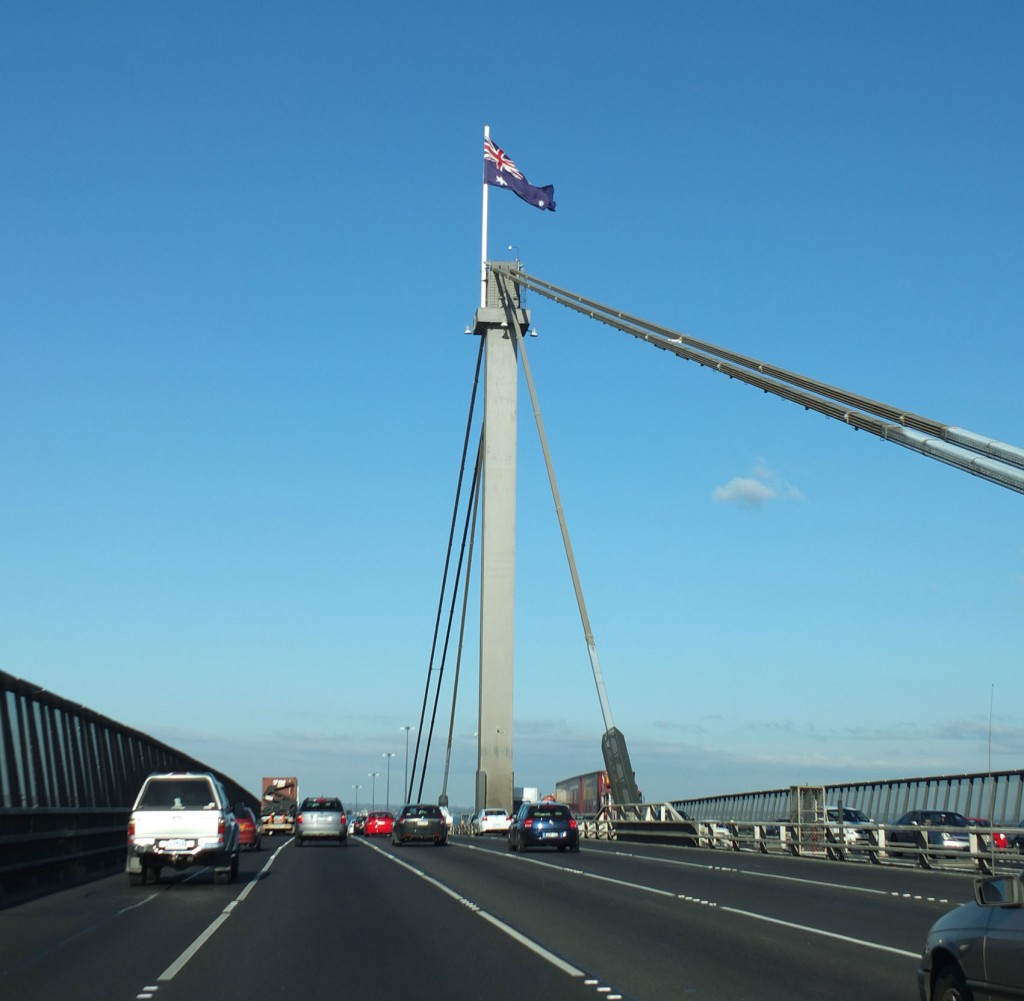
{"x": 595, "y": 663}
{"x": 470, "y": 511}
{"x": 626, "y": 321}
{"x": 447, "y": 563}
{"x": 995, "y": 461}
{"x": 674, "y": 340}
{"x": 474, "y": 501}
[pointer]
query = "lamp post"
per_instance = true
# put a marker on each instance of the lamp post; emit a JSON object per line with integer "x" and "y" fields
{"x": 389, "y": 755}
{"x": 373, "y": 788}
{"x": 405, "y": 787}
{"x": 357, "y": 787}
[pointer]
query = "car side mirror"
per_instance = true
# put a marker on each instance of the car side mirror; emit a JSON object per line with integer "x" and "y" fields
{"x": 999, "y": 891}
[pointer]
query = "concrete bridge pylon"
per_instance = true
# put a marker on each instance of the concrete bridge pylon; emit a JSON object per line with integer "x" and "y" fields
{"x": 501, "y": 324}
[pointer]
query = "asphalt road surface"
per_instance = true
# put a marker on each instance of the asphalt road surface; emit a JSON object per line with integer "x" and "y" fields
{"x": 470, "y": 920}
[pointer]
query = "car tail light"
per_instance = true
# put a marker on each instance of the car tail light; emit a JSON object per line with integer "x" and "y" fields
{"x": 222, "y": 826}
{"x": 298, "y": 819}
{"x": 528, "y": 822}
{"x": 131, "y": 829}
{"x": 344, "y": 819}
{"x": 572, "y": 824}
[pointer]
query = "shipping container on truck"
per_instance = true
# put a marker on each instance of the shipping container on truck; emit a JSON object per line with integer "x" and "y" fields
{"x": 278, "y": 803}
{"x": 524, "y": 794}
{"x": 585, "y": 794}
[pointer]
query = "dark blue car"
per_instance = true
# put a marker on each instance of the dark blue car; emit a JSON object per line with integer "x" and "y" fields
{"x": 544, "y": 825}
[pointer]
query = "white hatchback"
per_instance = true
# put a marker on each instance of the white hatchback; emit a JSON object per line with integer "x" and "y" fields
{"x": 491, "y": 821}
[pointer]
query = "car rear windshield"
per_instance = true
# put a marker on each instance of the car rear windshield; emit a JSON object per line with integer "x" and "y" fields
{"x": 178, "y": 794}
{"x": 422, "y": 811}
{"x": 322, "y": 804}
{"x": 551, "y": 812}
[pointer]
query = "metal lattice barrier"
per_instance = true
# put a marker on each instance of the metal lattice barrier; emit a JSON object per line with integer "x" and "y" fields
{"x": 68, "y": 777}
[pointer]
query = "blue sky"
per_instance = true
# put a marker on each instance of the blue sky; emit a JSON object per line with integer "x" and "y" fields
{"x": 240, "y": 244}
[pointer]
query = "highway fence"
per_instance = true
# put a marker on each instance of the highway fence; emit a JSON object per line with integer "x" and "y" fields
{"x": 68, "y": 778}
{"x": 810, "y": 821}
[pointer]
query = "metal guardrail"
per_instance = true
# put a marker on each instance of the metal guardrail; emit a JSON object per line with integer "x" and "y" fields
{"x": 43, "y": 848}
{"x": 997, "y": 796}
{"x": 68, "y": 777}
{"x": 662, "y": 823}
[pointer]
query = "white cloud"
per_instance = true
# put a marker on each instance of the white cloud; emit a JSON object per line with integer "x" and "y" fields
{"x": 744, "y": 491}
{"x": 754, "y": 491}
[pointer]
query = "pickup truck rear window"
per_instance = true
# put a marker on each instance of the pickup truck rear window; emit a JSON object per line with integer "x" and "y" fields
{"x": 178, "y": 794}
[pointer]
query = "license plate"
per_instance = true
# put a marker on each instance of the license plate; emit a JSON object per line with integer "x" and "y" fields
{"x": 551, "y": 834}
{"x": 176, "y": 844}
{"x": 421, "y": 823}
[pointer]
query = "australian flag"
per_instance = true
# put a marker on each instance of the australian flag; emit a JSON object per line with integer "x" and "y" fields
{"x": 500, "y": 171}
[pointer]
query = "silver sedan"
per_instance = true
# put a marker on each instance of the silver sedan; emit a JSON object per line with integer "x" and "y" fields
{"x": 321, "y": 818}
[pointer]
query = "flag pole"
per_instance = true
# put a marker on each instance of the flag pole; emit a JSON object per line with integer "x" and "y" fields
{"x": 483, "y": 240}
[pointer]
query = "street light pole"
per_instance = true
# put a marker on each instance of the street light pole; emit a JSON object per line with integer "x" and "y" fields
{"x": 405, "y": 787}
{"x": 357, "y": 787}
{"x": 373, "y": 787}
{"x": 389, "y": 755}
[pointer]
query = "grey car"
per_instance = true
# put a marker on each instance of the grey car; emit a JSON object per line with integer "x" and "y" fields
{"x": 420, "y": 822}
{"x": 940, "y": 831}
{"x": 976, "y": 951}
{"x": 321, "y": 818}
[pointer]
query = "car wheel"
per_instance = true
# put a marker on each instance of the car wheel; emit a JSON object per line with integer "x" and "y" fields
{"x": 233, "y": 874}
{"x": 298, "y": 842}
{"x": 950, "y": 986}
{"x": 561, "y": 848}
{"x": 136, "y": 878}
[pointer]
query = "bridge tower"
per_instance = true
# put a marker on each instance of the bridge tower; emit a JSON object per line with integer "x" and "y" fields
{"x": 500, "y": 323}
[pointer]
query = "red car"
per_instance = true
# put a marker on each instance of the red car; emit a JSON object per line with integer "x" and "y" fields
{"x": 998, "y": 838}
{"x": 379, "y": 823}
{"x": 249, "y": 830}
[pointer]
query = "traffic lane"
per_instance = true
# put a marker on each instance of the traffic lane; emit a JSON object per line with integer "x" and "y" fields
{"x": 955, "y": 884}
{"x": 892, "y": 908}
{"x": 94, "y": 942}
{"x": 895, "y": 911}
{"x": 650, "y": 943}
{"x": 357, "y": 922}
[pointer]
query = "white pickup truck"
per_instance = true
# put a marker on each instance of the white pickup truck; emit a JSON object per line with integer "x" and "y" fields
{"x": 182, "y": 819}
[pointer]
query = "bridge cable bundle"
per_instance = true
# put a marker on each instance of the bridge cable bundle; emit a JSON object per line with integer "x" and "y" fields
{"x": 977, "y": 454}
{"x": 430, "y": 680}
